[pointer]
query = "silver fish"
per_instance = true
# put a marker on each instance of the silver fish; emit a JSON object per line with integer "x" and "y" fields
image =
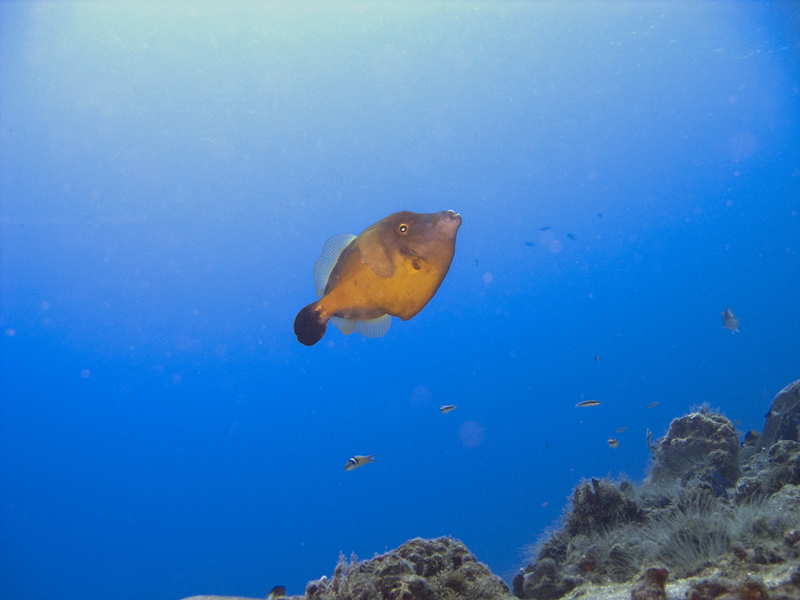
{"x": 729, "y": 320}
{"x": 359, "y": 461}
{"x": 588, "y": 403}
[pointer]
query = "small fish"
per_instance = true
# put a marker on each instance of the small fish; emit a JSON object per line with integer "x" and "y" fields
{"x": 530, "y": 244}
{"x": 613, "y": 443}
{"x": 729, "y": 320}
{"x": 393, "y": 268}
{"x": 750, "y": 438}
{"x": 649, "y": 445}
{"x": 277, "y": 592}
{"x": 597, "y": 358}
{"x": 599, "y": 214}
{"x": 621, "y": 429}
{"x": 719, "y": 486}
{"x": 738, "y": 422}
{"x": 587, "y": 403}
{"x": 359, "y": 461}
{"x": 572, "y": 237}
{"x": 544, "y": 228}
{"x": 476, "y": 262}
{"x": 652, "y": 405}
{"x": 447, "y": 408}
{"x": 548, "y": 446}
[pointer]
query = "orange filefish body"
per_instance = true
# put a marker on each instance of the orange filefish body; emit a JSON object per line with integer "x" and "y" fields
{"x": 392, "y": 269}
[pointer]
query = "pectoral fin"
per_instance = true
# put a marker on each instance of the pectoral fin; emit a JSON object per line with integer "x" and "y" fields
{"x": 373, "y": 328}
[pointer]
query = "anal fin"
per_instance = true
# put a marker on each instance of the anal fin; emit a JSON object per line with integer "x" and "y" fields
{"x": 372, "y": 328}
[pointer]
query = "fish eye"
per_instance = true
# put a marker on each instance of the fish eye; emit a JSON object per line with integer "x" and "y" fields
{"x": 403, "y": 228}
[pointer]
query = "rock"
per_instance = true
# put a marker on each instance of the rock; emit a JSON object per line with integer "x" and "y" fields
{"x": 720, "y": 588}
{"x": 783, "y": 417}
{"x": 700, "y": 447}
{"x": 439, "y": 569}
{"x": 781, "y": 467}
{"x": 545, "y": 581}
{"x": 651, "y": 585}
{"x": 599, "y": 505}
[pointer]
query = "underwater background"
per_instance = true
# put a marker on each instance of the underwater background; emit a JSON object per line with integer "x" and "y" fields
{"x": 169, "y": 173}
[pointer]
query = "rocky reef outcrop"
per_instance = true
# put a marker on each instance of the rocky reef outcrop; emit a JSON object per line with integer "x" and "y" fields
{"x": 438, "y": 569}
{"x": 783, "y": 417}
{"x": 713, "y": 514}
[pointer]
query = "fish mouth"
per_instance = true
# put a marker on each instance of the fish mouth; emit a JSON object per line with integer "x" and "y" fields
{"x": 450, "y": 215}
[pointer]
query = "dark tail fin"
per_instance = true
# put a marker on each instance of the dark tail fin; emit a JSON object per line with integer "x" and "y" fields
{"x": 307, "y": 326}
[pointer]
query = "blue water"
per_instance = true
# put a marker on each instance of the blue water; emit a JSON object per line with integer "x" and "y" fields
{"x": 170, "y": 172}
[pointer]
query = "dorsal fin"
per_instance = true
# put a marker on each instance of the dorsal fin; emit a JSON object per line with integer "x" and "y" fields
{"x": 367, "y": 327}
{"x": 330, "y": 254}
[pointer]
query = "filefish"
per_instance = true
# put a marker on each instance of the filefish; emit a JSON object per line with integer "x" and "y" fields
{"x": 359, "y": 461}
{"x": 587, "y": 403}
{"x": 652, "y": 405}
{"x": 572, "y": 237}
{"x": 277, "y": 592}
{"x": 729, "y": 320}
{"x": 613, "y": 443}
{"x": 446, "y": 409}
{"x": 392, "y": 269}
{"x": 750, "y": 438}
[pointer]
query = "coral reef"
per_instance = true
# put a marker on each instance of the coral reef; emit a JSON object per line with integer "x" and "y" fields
{"x": 713, "y": 521}
{"x": 708, "y": 504}
{"x": 783, "y": 417}
{"x": 699, "y": 447}
{"x": 440, "y": 569}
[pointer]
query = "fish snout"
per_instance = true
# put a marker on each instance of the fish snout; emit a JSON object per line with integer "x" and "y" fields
{"x": 450, "y": 220}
